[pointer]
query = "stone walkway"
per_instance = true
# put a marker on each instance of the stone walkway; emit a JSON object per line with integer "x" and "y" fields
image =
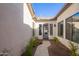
{"x": 42, "y": 50}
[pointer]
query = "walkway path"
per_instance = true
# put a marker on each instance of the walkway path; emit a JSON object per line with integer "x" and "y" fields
{"x": 42, "y": 50}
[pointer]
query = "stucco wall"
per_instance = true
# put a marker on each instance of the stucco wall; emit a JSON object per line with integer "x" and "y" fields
{"x": 74, "y": 8}
{"x": 41, "y": 36}
{"x": 14, "y": 33}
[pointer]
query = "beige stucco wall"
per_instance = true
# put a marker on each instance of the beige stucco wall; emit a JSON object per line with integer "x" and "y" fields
{"x": 14, "y": 33}
{"x": 41, "y": 36}
{"x": 74, "y": 8}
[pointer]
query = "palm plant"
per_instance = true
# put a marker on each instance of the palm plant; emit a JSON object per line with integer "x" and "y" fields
{"x": 73, "y": 49}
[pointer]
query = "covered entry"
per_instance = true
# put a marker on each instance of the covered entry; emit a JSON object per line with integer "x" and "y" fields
{"x": 46, "y": 30}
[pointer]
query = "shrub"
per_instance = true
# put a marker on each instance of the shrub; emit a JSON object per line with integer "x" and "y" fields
{"x": 55, "y": 40}
{"x": 36, "y": 42}
{"x": 73, "y": 49}
{"x": 29, "y": 49}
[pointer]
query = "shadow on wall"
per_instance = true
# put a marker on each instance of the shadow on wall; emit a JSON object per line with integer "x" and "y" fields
{"x": 14, "y": 34}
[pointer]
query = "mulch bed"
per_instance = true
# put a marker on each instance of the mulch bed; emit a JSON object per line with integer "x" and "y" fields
{"x": 58, "y": 49}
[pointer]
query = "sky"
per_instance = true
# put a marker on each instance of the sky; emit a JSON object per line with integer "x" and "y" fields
{"x": 77, "y": 14}
{"x": 47, "y": 9}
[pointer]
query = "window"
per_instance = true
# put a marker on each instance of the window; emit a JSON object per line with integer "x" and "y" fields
{"x": 60, "y": 29}
{"x": 40, "y": 29}
{"x": 51, "y": 29}
{"x": 33, "y": 31}
{"x": 72, "y": 28}
{"x": 69, "y": 28}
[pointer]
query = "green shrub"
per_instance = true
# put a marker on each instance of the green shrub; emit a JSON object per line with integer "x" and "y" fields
{"x": 73, "y": 49}
{"x": 55, "y": 40}
{"x": 29, "y": 49}
{"x": 36, "y": 42}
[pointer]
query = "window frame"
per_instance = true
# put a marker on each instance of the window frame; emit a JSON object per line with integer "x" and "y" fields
{"x": 51, "y": 29}
{"x": 40, "y": 29}
{"x": 60, "y": 31}
{"x": 73, "y": 31}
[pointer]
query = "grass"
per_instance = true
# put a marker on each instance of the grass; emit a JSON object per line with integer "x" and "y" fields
{"x": 34, "y": 42}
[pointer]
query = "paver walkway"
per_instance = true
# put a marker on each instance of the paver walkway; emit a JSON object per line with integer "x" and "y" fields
{"x": 42, "y": 50}
{"x": 58, "y": 49}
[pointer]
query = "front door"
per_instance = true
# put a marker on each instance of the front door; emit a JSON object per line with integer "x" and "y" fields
{"x": 45, "y": 31}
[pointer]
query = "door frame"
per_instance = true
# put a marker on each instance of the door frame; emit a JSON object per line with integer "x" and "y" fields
{"x": 47, "y": 32}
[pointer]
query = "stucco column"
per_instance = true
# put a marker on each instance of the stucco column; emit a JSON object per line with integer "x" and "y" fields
{"x": 56, "y": 29}
{"x": 49, "y": 31}
{"x": 64, "y": 29}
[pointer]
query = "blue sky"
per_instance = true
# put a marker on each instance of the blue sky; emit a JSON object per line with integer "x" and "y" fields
{"x": 77, "y": 14}
{"x": 47, "y": 9}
